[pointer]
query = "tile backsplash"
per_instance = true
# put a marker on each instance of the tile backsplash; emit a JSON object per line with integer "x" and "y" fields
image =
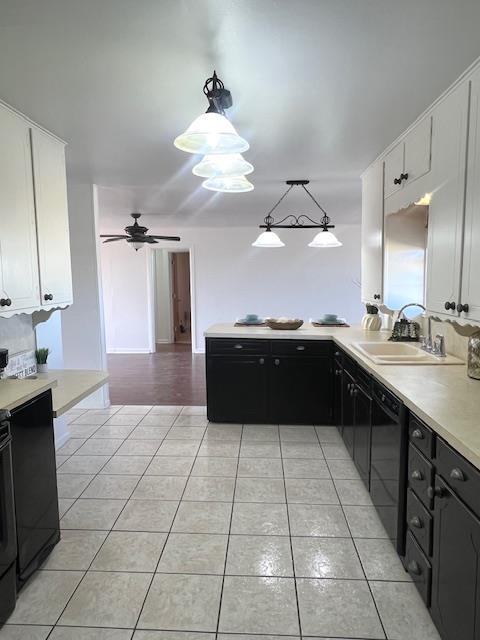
{"x": 17, "y": 335}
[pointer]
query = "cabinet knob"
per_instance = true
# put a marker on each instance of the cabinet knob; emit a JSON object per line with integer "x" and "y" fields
{"x": 48, "y": 296}
{"x": 276, "y": 362}
{"x": 463, "y": 307}
{"x": 338, "y": 372}
{"x": 300, "y": 347}
{"x": 457, "y": 474}
{"x": 416, "y": 522}
{"x": 435, "y": 492}
{"x": 337, "y": 354}
{"x": 417, "y": 433}
{"x": 376, "y": 296}
{"x": 450, "y": 306}
{"x": 262, "y": 361}
{"x": 5, "y": 302}
{"x": 238, "y": 346}
{"x": 403, "y": 176}
{"x": 416, "y": 475}
{"x": 414, "y": 567}
{"x": 397, "y": 181}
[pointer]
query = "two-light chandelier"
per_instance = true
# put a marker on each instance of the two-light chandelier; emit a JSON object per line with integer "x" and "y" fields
{"x": 269, "y": 239}
{"x": 213, "y": 136}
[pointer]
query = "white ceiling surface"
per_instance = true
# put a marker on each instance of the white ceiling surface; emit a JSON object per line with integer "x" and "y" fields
{"x": 320, "y": 87}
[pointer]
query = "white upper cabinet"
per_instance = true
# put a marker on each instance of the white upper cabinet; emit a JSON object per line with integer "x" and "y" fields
{"x": 19, "y": 284}
{"x": 409, "y": 159}
{"x": 52, "y": 219}
{"x": 445, "y": 222}
{"x": 470, "y": 294}
{"x": 372, "y": 234}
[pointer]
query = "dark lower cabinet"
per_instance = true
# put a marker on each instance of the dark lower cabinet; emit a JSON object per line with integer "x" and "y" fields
{"x": 237, "y": 389}
{"x": 455, "y": 605}
{"x": 362, "y": 433}
{"x": 269, "y": 381}
{"x": 300, "y": 390}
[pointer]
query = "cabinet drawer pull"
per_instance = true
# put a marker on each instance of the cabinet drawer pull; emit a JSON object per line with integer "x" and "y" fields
{"x": 5, "y": 302}
{"x": 403, "y": 176}
{"x": 450, "y": 306}
{"x": 457, "y": 474}
{"x": 300, "y": 347}
{"x": 416, "y": 522}
{"x": 48, "y": 296}
{"x": 417, "y": 433}
{"x": 262, "y": 360}
{"x": 463, "y": 307}
{"x": 417, "y": 475}
{"x": 414, "y": 567}
{"x": 238, "y": 346}
{"x": 276, "y": 362}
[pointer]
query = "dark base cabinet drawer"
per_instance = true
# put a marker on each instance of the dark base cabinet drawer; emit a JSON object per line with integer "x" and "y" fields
{"x": 462, "y": 477}
{"x": 301, "y": 347}
{"x": 418, "y": 567}
{"x": 421, "y": 436}
{"x": 231, "y": 346}
{"x": 420, "y": 475}
{"x": 420, "y": 522}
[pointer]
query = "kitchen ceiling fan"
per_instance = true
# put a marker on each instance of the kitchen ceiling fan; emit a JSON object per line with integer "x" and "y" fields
{"x": 137, "y": 236}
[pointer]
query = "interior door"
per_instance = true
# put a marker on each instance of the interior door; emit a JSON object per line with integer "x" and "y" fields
{"x": 445, "y": 219}
{"x": 182, "y": 328}
{"x": 18, "y": 244}
{"x": 52, "y": 218}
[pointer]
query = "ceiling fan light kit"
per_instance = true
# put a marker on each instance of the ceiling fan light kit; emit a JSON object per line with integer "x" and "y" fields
{"x": 228, "y": 184}
{"x": 214, "y": 136}
{"x": 136, "y": 235}
{"x": 323, "y": 239}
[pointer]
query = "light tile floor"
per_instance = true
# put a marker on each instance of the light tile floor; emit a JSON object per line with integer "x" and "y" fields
{"x": 176, "y": 529}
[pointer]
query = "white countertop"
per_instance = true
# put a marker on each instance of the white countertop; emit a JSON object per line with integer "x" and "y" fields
{"x": 68, "y": 386}
{"x": 441, "y": 395}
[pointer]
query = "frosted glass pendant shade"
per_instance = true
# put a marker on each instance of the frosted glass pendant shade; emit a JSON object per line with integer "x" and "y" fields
{"x": 211, "y": 133}
{"x": 228, "y": 185}
{"x": 228, "y": 164}
{"x": 268, "y": 240}
{"x": 324, "y": 239}
{"x": 136, "y": 245}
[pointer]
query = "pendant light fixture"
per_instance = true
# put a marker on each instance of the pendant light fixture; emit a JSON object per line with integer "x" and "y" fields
{"x": 228, "y": 164}
{"x": 226, "y": 184}
{"x": 323, "y": 239}
{"x": 212, "y": 133}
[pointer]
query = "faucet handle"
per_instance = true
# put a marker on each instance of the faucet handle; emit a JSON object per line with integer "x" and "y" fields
{"x": 439, "y": 346}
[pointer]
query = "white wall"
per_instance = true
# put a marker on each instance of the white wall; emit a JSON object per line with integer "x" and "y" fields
{"x": 163, "y": 299}
{"x": 231, "y": 278}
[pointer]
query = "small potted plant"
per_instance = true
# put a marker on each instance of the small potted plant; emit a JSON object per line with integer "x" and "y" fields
{"x": 41, "y": 356}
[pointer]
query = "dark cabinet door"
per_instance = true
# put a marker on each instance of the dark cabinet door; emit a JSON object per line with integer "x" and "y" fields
{"x": 301, "y": 390}
{"x": 348, "y": 414}
{"x": 362, "y": 433}
{"x": 455, "y": 603}
{"x": 237, "y": 389}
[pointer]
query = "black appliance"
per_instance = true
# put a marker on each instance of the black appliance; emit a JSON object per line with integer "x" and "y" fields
{"x": 8, "y": 539}
{"x": 35, "y": 483}
{"x": 389, "y": 462}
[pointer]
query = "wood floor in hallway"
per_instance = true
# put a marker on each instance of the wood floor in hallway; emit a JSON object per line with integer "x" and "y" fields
{"x": 172, "y": 376}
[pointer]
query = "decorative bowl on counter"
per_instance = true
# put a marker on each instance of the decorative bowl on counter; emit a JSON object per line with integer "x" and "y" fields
{"x": 284, "y": 323}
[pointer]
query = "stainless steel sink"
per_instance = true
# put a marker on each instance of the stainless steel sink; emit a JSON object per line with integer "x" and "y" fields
{"x": 400, "y": 353}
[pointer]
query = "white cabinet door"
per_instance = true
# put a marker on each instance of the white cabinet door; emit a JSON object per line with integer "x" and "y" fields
{"x": 18, "y": 248}
{"x": 445, "y": 223}
{"x": 418, "y": 147}
{"x": 393, "y": 169}
{"x": 52, "y": 219}
{"x": 471, "y": 256}
{"x": 372, "y": 234}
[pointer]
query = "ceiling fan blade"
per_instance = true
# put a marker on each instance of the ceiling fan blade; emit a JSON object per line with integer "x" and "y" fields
{"x": 174, "y": 238}
{"x": 149, "y": 240}
{"x": 114, "y": 239}
{"x": 111, "y": 235}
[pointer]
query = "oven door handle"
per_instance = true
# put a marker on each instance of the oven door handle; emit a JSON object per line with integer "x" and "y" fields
{"x": 393, "y": 416}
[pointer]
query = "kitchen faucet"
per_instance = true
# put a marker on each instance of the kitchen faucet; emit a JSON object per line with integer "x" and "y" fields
{"x": 435, "y": 346}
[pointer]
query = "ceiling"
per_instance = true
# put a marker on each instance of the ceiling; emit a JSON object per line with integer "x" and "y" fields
{"x": 320, "y": 87}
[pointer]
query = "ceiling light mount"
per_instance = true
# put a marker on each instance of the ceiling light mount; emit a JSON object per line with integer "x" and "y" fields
{"x": 218, "y": 97}
{"x": 301, "y": 221}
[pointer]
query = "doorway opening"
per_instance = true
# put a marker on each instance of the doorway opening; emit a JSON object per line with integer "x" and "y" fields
{"x": 173, "y": 301}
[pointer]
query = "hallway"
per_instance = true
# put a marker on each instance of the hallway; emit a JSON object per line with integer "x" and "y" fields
{"x": 172, "y": 376}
